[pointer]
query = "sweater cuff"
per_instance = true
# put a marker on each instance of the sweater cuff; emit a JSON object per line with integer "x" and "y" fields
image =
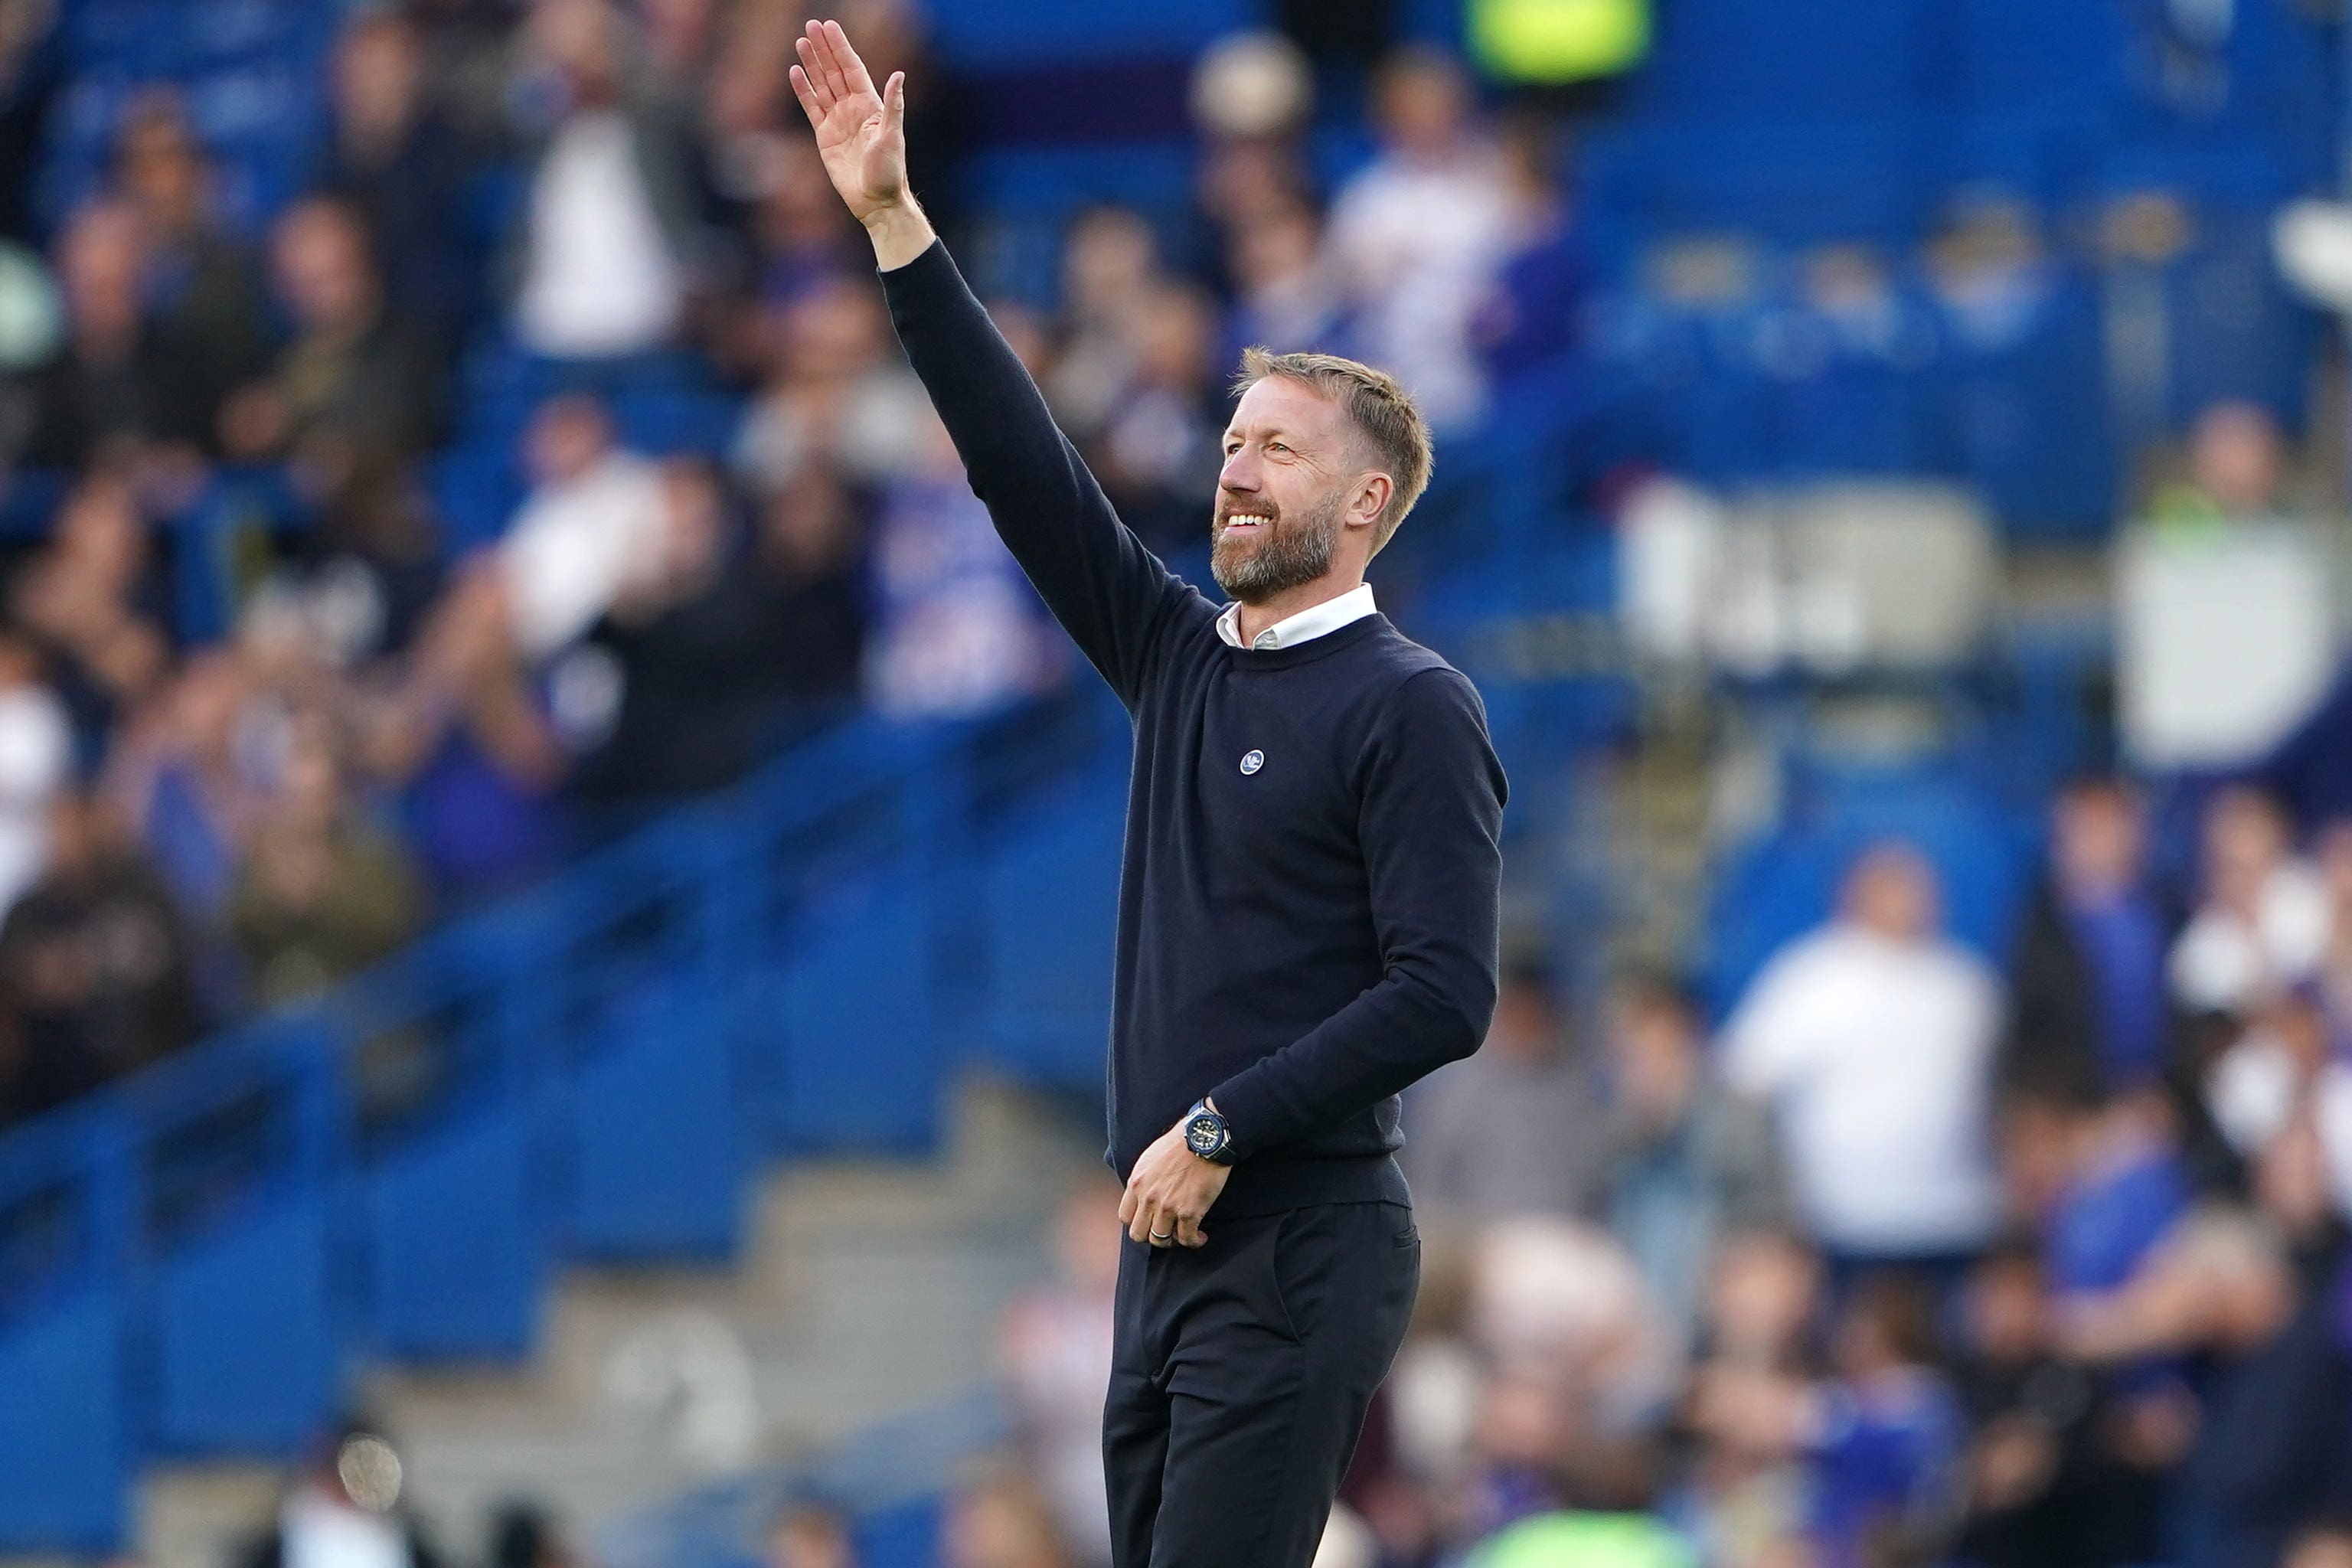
{"x": 933, "y": 259}
{"x": 1247, "y": 1106}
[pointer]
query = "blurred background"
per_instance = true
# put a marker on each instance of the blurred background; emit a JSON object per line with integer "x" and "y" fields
{"x": 558, "y": 884}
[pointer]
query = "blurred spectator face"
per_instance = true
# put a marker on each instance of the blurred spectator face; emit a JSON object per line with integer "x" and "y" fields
{"x": 100, "y": 533}
{"x": 1110, "y": 258}
{"x": 160, "y": 166}
{"x": 378, "y": 71}
{"x": 323, "y": 270}
{"x": 1172, "y": 334}
{"x": 207, "y": 702}
{"x": 1523, "y": 1421}
{"x": 2291, "y": 1179}
{"x": 1762, "y": 1295}
{"x": 1653, "y": 1046}
{"x": 99, "y": 262}
{"x": 1276, "y": 248}
{"x": 1249, "y": 181}
{"x": 19, "y": 664}
{"x": 2335, "y": 855}
{"x": 810, "y": 1537}
{"x": 1891, "y": 892}
{"x": 2246, "y": 842}
{"x": 75, "y": 834}
{"x": 1529, "y": 161}
{"x": 2329, "y": 1547}
{"x": 889, "y": 33}
{"x": 566, "y": 438}
{"x": 1526, "y": 1025}
{"x": 2098, "y": 839}
{"x": 2006, "y": 1309}
{"x": 2236, "y": 456}
{"x": 581, "y": 38}
{"x": 1291, "y": 459}
{"x": 678, "y": 32}
{"x": 801, "y": 212}
{"x": 835, "y": 333}
{"x": 2037, "y": 1153}
{"x": 807, "y": 528}
{"x": 694, "y": 520}
{"x": 2249, "y": 1282}
{"x": 1887, "y": 1324}
{"x": 309, "y": 792}
{"x": 1024, "y": 332}
{"x": 1422, "y": 104}
{"x": 1002, "y": 1524}
{"x": 746, "y": 86}
{"x": 1086, "y": 1236}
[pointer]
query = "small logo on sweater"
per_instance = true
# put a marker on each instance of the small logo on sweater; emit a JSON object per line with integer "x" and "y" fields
{"x": 1253, "y": 761}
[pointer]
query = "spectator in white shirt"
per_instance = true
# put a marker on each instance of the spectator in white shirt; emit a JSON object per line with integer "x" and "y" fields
{"x": 36, "y": 762}
{"x": 1416, "y": 237}
{"x": 1872, "y": 1039}
{"x": 594, "y": 518}
{"x": 604, "y": 273}
{"x": 2264, "y": 922}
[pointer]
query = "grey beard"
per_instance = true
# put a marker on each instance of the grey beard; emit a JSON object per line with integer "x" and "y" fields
{"x": 1291, "y": 555}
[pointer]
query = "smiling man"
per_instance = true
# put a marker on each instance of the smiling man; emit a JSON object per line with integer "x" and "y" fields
{"x": 1309, "y": 907}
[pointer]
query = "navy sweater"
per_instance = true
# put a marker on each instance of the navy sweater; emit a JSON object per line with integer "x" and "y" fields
{"x": 1299, "y": 941}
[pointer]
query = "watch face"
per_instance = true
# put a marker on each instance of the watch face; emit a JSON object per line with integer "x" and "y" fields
{"x": 1203, "y": 1135}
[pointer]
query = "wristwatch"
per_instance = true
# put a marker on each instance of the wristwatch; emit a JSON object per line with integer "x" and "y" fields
{"x": 1207, "y": 1134}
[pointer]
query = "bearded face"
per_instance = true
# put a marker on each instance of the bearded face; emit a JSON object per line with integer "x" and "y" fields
{"x": 1259, "y": 551}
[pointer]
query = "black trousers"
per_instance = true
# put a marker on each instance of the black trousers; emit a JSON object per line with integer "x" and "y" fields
{"x": 1240, "y": 1374}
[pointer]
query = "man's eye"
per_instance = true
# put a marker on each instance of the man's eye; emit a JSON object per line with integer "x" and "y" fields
{"x": 1275, "y": 447}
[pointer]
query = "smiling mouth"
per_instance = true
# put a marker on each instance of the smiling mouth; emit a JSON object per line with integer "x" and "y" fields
{"x": 1245, "y": 522}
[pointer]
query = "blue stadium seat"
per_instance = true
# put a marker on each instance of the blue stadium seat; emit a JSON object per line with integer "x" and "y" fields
{"x": 247, "y": 1358}
{"x": 858, "y": 1036}
{"x": 653, "y": 1150}
{"x": 455, "y": 1254}
{"x": 1050, "y": 890}
{"x": 67, "y": 1434}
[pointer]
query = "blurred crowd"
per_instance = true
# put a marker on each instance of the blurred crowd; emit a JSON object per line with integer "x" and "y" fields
{"x": 575, "y": 261}
{"x": 1913, "y": 1258}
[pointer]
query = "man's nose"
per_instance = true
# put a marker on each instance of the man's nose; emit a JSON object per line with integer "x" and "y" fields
{"x": 1239, "y": 473}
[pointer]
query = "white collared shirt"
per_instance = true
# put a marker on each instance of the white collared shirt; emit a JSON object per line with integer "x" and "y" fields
{"x": 1315, "y": 621}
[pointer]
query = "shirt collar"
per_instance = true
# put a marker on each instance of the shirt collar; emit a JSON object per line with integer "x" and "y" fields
{"x": 1317, "y": 620}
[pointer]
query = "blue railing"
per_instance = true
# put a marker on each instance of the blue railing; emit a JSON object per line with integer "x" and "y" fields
{"x": 193, "y": 1262}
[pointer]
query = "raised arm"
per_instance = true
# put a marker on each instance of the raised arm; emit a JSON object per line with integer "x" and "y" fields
{"x": 1114, "y": 597}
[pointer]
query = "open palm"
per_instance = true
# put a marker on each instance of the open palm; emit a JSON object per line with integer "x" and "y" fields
{"x": 860, "y": 133}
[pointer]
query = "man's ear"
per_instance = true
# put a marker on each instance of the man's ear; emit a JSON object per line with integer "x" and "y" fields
{"x": 1371, "y": 499}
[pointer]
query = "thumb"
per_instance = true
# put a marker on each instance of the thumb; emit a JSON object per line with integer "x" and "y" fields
{"x": 894, "y": 104}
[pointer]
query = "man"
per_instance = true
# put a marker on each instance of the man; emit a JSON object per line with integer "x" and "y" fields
{"x": 1872, "y": 1039}
{"x": 1685, "y": 1160}
{"x": 1515, "y": 1130}
{"x": 1309, "y": 912}
{"x": 2087, "y": 1004}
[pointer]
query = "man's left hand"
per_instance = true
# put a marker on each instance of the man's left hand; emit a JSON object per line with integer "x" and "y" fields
{"x": 1168, "y": 1193}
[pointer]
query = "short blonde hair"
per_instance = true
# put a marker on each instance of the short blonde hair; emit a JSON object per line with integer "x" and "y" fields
{"x": 1380, "y": 408}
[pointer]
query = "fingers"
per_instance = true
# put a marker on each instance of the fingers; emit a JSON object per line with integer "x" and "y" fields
{"x": 821, "y": 46}
{"x": 1159, "y": 1222}
{"x": 807, "y": 95}
{"x": 1145, "y": 1219}
{"x": 812, "y": 73}
{"x": 852, "y": 69}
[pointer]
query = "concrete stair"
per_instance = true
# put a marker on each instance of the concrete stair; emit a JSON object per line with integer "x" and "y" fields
{"x": 866, "y": 1288}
